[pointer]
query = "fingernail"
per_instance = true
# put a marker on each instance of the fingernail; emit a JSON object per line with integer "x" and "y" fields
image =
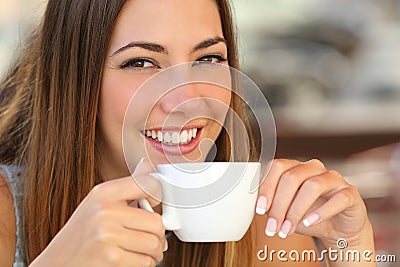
{"x": 261, "y": 205}
{"x": 310, "y": 220}
{"x": 135, "y": 172}
{"x": 165, "y": 246}
{"x": 141, "y": 161}
{"x": 285, "y": 229}
{"x": 270, "y": 229}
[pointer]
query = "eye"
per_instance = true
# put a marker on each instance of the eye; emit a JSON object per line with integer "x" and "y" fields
{"x": 213, "y": 58}
{"x": 139, "y": 64}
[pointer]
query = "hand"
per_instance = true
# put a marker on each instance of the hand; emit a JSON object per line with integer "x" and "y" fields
{"x": 105, "y": 231}
{"x": 306, "y": 198}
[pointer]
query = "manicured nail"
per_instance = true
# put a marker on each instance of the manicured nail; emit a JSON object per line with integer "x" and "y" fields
{"x": 285, "y": 229}
{"x": 141, "y": 161}
{"x": 261, "y": 205}
{"x": 310, "y": 220}
{"x": 165, "y": 246}
{"x": 270, "y": 229}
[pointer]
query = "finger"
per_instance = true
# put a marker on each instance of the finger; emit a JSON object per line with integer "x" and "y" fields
{"x": 151, "y": 186}
{"x": 306, "y": 197}
{"x": 143, "y": 167}
{"x": 150, "y": 222}
{"x": 141, "y": 242}
{"x": 132, "y": 218}
{"x": 268, "y": 186}
{"x": 127, "y": 189}
{"x": 120, "y": 257}
{"x": 288, "y": 186}
{"x": 340, "y": 201}
{"x": 139, "y": 260}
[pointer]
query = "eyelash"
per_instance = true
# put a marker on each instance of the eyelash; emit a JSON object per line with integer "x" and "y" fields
{"x": 130, "y": 64}
{"x": 220, "y": 58}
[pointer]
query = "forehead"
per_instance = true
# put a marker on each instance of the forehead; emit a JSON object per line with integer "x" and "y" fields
{"x": 167, "y": 21}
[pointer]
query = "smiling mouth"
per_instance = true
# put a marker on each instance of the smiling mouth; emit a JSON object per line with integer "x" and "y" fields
{"x": 174, "y": 141}
{"x": 172, "y": 137}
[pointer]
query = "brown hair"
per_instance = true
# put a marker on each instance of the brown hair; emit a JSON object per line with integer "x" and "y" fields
{"x": 48, "y": 111}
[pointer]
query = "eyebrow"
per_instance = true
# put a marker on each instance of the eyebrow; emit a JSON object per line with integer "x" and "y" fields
{"x": 145, "y": 45}
{"x": 163, "y": 50}
{"x": 208, "y": 42}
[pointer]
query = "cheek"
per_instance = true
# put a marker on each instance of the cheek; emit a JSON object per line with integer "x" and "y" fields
{"x": 116, "y": 93}
{"x": 220, "y": 103}
{"x": 225, "y": 96}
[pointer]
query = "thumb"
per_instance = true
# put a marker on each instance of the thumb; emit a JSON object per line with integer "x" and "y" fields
{"x": 146, "y": 182}
{"x": 143, "y": 167}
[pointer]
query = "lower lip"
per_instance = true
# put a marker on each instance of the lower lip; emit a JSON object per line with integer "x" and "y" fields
{"x": 178, "y": 149}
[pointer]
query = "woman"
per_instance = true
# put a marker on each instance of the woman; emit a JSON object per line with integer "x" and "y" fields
{"x": 62, "y": 110}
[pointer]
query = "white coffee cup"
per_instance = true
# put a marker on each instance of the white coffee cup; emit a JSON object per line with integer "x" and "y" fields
{"x": 208, "y": 201}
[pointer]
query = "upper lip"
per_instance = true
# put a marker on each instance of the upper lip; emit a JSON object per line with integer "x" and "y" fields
{"x": 160, "y": 127}
{"x": 174, "y": 128}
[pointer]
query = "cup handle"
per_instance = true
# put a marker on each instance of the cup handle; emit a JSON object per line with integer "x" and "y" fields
{"x": 168, "y": 217}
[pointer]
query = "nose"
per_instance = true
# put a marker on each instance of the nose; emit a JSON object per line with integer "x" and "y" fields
{"x": 186, "y": 99}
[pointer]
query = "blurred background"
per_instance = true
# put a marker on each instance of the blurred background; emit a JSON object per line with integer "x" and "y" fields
{"x": 330, "y": 70}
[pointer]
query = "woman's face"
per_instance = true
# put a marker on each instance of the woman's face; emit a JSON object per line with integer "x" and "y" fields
{"x": 148, "y": 37}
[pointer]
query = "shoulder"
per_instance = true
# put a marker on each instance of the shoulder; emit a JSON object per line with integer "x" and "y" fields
{"x": 7, "y": 222}
{"x": 267, "y": 248}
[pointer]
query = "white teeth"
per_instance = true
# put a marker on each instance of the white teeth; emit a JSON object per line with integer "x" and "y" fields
{"x": 175, "y": 138}
{"x": 172, "y": 137}
{"x": 159, "y": 136}
{"x": 184, "y": 137}
{"x": 167, "y": 138}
